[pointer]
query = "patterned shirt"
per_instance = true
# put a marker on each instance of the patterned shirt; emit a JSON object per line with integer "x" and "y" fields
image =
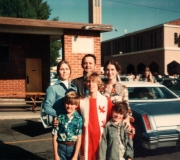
{"x": 118, "y": 93}
{"x": 68, "y": 128}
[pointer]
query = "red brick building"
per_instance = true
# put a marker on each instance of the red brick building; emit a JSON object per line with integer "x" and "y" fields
{"x": 25, "y": 50}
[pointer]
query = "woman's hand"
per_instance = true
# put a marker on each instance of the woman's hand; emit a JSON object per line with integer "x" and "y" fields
{"x": 81, "y": 157}
{"x": 56, "y": 157}
{"x": 127, "y": 124}
{"x": 74, "y": 158}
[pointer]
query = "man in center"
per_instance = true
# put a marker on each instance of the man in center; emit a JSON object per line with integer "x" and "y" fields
{"x": 88, "y": 64}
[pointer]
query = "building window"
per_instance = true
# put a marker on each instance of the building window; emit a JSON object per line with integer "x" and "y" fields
{"x": 153, "y": 40}
{"x": 173, "y": 68}
{"x": 154, "y": 67}
{"x": 4, "y": 53}
{"x": 129, "y": 45}
{"x": 115, "y": 47}
{"x": 140, "y": 68}
{"x": 108, "y": 49}
{"x": 130, "y": 69}
{"x": 139, "y": 43}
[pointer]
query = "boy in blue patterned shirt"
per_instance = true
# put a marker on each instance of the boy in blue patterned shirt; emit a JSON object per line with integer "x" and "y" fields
{"x": 67, "y": 135}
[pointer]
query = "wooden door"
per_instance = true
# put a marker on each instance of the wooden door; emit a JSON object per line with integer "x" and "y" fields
{"x": 33, "y": 75}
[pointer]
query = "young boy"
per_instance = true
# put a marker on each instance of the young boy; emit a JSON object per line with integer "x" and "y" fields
{"x": 116, "y": 142}
{"x": 67, "y": 135}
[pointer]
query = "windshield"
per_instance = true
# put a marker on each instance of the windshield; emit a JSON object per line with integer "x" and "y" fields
{"x": 149, "y": 93}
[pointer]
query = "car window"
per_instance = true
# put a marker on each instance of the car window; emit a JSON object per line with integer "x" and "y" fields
{"x": 124, "y": 79}
{"x": 176, "y": 87}
{"x": 149, "y": 93}
{"x": 168, "y": 83}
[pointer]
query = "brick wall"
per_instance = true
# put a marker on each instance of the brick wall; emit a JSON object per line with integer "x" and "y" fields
{"x": 75, "y": 58}
{"x": 13, "y": 73}
{"x": 12, "y": 85}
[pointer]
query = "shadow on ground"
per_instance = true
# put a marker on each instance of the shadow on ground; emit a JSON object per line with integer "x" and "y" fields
{"x": 11, "y": 152}
{"x": 31, "y": 128}
{"x": 142, "y": 152}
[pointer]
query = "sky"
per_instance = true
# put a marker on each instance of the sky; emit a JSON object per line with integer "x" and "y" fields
{"x": 129, "y": 15}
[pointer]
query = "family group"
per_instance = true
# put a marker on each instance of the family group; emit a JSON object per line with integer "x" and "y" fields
{"x": 92, "y": 119}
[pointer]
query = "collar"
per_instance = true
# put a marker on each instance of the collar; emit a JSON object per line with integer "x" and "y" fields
{"x": 60, "y": 82}
{"x": 113, "y": 124}
{"x": 75, "y": 114}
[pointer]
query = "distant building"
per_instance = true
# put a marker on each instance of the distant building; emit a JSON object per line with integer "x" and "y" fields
{"x": 156, "y": 47}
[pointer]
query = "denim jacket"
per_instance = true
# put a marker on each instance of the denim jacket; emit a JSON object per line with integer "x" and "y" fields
{"x": 109, "y": 147}
{"x": 53, "y": 103}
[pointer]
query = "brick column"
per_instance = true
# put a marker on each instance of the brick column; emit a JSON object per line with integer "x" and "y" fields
{"x": 75, "y": 58}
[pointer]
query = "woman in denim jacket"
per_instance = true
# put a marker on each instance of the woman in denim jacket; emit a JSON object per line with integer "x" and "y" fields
{"x": 55, "y": 93}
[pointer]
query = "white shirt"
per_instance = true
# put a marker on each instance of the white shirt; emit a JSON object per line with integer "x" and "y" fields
{"x": 66, "y": 82}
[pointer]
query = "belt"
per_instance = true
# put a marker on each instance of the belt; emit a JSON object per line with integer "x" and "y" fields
{"x": 70, "y": 143}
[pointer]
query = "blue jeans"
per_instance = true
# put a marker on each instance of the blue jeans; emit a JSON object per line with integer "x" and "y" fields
{"x": 65, "y": 152}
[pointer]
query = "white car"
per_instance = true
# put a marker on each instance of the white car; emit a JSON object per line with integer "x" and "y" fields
{"x": 156, "y": 110}
{"x": 53, "y": 77}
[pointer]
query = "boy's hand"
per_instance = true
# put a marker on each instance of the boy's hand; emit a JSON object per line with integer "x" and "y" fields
{"x": 55, "y": 122}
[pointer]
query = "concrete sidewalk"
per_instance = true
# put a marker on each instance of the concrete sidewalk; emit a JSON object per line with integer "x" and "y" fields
{"x": 18, "y": 112}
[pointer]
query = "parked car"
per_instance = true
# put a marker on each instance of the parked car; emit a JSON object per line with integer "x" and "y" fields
{"x": 176, "y": 87}
{"x": 168, "y": 82}
{"x": 172, "y": 83}
{"x": 122, "y": 78}
{"x": 53, "y": 77}
{"x": 156, "y": 110}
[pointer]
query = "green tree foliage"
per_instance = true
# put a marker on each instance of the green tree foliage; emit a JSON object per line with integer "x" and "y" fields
{"x": 35, "y": 9}
{"x": 54, "y": 49}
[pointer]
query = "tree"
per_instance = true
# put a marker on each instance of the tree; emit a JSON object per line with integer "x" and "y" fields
{"x": 54, "y": 49}
{"x": 35, "y": 9}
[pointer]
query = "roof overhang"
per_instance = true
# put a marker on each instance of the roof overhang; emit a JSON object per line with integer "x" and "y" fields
{"x": 46, "y": 27}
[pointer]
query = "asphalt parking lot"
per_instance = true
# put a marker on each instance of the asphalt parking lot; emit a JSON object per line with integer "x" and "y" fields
{"x": 25, "y": 139}
{"x": 22, "y": 137}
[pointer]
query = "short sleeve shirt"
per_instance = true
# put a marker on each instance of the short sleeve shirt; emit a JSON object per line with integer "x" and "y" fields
{"x": 68, "y": 128}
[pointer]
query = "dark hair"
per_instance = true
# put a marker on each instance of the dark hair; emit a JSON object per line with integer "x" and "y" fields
{"x": 60, "y": 64}
{"x": 115, "y": 63}
{"x": 88, "y": 55}
{"x": 72, "y": 97}
{"x": 120, "y": 107}
{"x": 147, "y": 69}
